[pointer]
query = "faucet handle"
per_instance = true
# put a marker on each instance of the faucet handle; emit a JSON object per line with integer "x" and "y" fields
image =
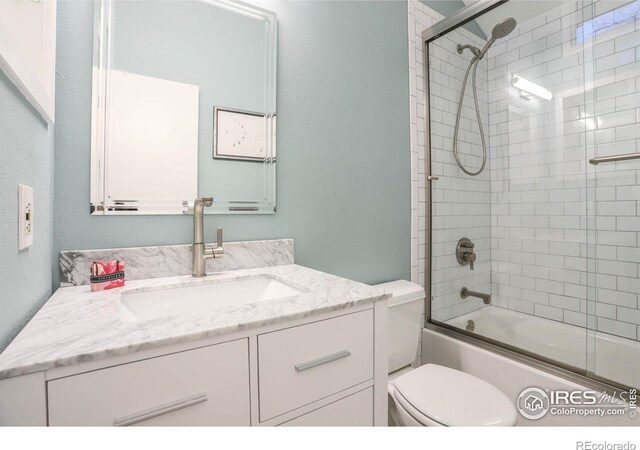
{"x": 218, "y": 250}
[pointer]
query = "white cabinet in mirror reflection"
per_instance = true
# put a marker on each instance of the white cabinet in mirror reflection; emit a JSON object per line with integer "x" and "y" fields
{"x": 151, "y": 139}
{"x": 28, "y": 51}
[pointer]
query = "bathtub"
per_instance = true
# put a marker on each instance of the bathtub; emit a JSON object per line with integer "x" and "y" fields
{"x": 607, "y": 356}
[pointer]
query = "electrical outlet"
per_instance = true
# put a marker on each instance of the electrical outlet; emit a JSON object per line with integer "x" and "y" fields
{"x": 25, "y": 216}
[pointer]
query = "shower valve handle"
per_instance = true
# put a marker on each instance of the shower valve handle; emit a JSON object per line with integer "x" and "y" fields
{"x": 470, "y": 258}
{"x": 465, "y": 253}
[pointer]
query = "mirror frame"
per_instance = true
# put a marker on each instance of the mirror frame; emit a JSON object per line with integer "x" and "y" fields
{"x": 101, "y": 58}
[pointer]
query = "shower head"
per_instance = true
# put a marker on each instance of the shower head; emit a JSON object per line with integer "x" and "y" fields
{"x": 503, "y": 28}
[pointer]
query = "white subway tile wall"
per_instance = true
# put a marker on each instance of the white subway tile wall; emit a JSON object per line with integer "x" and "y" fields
{"x": 555, "y": 236}
{"x": 461, "y": 205}
{"x": 559, "y": 224}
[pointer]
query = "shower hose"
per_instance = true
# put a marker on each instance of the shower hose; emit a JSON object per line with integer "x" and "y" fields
{"x": 474, "y": 64}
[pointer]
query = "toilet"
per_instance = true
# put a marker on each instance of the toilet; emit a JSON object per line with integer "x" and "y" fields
{"x": 433, "y": 395}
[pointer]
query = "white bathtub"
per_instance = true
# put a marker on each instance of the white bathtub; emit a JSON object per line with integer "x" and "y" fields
{"x": 605, "y": 355}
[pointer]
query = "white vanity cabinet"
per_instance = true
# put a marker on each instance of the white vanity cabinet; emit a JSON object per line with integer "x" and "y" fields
{"x": 309, "y": 362}
{"x": 205, "y": 386}
{"x": 352, "y": 411}
{"x": 326, "y": 369}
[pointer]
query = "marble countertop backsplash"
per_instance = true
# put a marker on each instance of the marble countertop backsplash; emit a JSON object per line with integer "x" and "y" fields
{"x": 157, "y": 262}
{"x": 77, "y": 325}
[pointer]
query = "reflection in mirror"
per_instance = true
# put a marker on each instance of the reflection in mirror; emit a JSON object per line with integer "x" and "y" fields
{"x": 183, "y": 107}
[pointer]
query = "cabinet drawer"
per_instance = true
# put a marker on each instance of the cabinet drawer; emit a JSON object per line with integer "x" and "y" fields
{"x": 303, "y": 364}
{"x": 353, "y": 411}
{"x": 206, "y": 386}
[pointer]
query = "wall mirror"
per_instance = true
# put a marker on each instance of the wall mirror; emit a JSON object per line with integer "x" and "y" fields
{"x": 184, "y": 106}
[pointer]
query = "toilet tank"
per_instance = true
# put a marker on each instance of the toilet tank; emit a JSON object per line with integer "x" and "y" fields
{"x": 405, "y": 321}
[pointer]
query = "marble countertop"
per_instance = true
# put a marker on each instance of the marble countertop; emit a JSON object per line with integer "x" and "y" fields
{"x": 77, "y": 325}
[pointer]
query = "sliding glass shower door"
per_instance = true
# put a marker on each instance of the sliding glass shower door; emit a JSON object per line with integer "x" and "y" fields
{"x": 539, "y": 251}
{"x": 610, "y": 34}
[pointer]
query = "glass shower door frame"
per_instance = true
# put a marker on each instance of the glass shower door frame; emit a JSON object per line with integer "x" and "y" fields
{"x": 586, "y": 376}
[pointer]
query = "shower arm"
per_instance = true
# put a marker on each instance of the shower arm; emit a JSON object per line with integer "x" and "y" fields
{"x": 473, "y": 49}
{"x": 478, "y": 54}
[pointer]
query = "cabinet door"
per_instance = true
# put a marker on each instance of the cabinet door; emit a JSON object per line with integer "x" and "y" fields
{"x": 353, "y": 411}
{"x": 23, "y": 401}
{"x": 205, "y": 386}
{"x": 300, "y": 365}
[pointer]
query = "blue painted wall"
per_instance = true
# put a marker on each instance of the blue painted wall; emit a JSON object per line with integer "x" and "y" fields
{"x": 26, "y": 157}
{"x": 343, "y": 143}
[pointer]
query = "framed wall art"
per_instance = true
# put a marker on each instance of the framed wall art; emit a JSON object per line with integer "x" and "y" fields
{"x": 239, "y": 135}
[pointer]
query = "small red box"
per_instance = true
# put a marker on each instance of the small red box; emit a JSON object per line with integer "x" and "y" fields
{"x": 107, "y": 275}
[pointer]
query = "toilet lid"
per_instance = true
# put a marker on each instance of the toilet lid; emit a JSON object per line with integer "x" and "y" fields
{"x": 452, "y": 397}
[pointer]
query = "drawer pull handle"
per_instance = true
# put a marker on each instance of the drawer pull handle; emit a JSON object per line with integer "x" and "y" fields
{"x": 160, "y": 410}
{"x": 323, "y": 360}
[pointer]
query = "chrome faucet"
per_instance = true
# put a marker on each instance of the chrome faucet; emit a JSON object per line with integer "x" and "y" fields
{"x": 465, "y": 253}
{"x": 201, "y": 251}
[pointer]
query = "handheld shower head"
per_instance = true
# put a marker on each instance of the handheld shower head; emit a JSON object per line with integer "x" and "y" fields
{"x": 502, "y": 29}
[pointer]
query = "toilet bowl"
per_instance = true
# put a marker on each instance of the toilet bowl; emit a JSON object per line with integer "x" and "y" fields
{"x": 433, "y": 395}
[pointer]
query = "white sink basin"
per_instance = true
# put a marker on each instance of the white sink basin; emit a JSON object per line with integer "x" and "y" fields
{"x": 176, "y": 300}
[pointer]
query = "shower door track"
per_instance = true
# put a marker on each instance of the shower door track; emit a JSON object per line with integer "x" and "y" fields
{"x": 571, "y": 373}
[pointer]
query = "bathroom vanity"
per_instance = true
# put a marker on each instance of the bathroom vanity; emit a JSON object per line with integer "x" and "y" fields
{"x": 275, "y": 345}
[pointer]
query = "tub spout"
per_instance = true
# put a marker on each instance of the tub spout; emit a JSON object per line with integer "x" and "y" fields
{"x": 486, "y": 298}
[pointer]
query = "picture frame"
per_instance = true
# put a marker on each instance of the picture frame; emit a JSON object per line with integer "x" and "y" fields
{"x": 239, "y": 135}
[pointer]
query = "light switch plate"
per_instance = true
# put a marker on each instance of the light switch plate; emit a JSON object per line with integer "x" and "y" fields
{"x": 25, "y": 216}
